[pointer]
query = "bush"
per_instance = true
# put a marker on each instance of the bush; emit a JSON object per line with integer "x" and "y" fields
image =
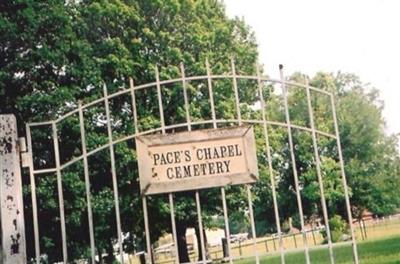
{"x": 285, "y": 226}
{"x": 339, "y": 229}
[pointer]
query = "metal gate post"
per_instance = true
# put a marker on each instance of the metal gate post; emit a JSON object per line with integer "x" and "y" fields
{"x": 13, "y": 249}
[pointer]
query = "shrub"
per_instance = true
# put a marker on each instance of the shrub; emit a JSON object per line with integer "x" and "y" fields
{"x": 339, "y": 229}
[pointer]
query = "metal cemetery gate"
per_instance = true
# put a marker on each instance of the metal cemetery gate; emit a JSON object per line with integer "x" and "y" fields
{"x": 56, "y": 164}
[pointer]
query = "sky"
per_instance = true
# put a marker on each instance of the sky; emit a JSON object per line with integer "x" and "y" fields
{"x": 355, "y": 36}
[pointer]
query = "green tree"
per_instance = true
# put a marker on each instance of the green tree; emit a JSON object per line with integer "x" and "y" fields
{"x": 371, "y": 157}
{"x": 370, "y": 154}
{"x": 55, "y": 53}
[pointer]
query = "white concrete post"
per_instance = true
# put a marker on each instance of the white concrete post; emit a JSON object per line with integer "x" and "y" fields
{"x": 13, "y": 249}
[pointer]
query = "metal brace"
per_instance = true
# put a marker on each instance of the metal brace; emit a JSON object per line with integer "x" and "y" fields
{"x": 25, "y": 157}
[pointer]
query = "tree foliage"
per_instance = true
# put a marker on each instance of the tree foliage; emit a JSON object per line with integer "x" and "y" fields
{"x": 370, "y": 155}
{"x": 54, "y": 54}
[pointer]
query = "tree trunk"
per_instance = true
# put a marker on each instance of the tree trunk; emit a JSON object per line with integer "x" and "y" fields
{"x": 199, "y": 244}
{"x": 361, "y": 229}
{"x": 365, "y": 229}
{"x": 182, "y": 244}
{"x": 100, "y": 253}
{"x": 110, "y": 253}
{"x": 153, "y": 260}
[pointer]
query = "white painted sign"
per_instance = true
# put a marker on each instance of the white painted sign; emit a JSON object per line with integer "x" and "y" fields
{"x": 196, "y": 159}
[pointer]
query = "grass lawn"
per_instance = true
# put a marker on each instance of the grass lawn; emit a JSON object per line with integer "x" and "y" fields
{"x": 381, "y": 247}
{"x": 381, "y": 251}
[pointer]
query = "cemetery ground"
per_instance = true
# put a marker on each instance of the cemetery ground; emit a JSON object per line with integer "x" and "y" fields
{"x": 374, "y": 251}
{"x": 381, "y": 246}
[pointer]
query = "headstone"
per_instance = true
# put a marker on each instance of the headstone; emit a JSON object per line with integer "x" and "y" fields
{"x": 11, "y": 200}
{"x": 225, "y": 248}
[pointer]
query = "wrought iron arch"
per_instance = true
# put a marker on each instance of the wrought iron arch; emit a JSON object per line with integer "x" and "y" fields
{"x": 213, "y": 121}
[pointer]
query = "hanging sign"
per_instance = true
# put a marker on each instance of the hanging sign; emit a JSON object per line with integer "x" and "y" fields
{"x": 196, "y": 159}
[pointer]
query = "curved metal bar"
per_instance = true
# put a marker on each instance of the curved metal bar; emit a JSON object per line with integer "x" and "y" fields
{"x": 193, "y": 123}
{"x": 43, "y": 171}
{"x": 265, "y": 79}
{"x": 233, "y": 77}
{"x": 177, "y": 80}
{"x": 292, "y": 84}
{"x": 277, "y": 123}
{"x": 44, "y": 123}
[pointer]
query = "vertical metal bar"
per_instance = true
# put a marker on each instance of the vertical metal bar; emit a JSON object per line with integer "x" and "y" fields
{"x": 294, "y": 165}
{"x": 319, "y": 174}
{"x": 146, "y": 228}
{"x": 210, "y": 92}
{"x": 270, "y": 169}
{"x": 33, "y": 195}
{"x": 253, "y": 226}
{"x": 171, "y": 205}
{"x": 160, "y": 104}
{"x": 223, "y": 195}
{"x": 60, "y": 193}
{"x": 134, "y": 110}
{"x": 170, "y": 195}
{"x": 185, "y": 97}
{"x": 203, "y": 248}
{"x": 197, "y": 194}
{"x": 235, "y": 89}
{"x": 144, "y": 199}
{"x": 113, "y": 173}
{"x": 87, "y": 182}
{"x": 239, "y": 116}
{"x": 344, "y": 182}
{"x": 226, "y": 221}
